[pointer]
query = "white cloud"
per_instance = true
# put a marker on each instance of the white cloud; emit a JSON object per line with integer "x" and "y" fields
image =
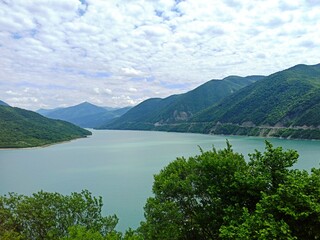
{"x": 96, "y": 90}
{"x": 108, "y": 91}
{"x": 131, "y": 89}
{"x": 10, "y": 92}
{"x": 131, "y": 72}
{"x": 116, "y": 53}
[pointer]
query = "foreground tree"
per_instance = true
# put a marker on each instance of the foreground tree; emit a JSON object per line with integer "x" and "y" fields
{"x": 52, "y": 216}
{"x": 217, "y": 195}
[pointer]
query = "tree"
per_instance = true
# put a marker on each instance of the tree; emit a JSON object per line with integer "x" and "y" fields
{"x": 191, "y": 195}
{"x": 50, "y": 215}
{"x": 217, "y": 195}
{"x": 291, "y": 212}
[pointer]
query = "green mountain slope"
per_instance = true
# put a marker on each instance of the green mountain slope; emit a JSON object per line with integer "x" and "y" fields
{"x": 139, "y": 116}
{"x": 155, "y": 112}
{"x": 84, "y": 115}
{"x": 22, "y": 128}
{"x": 285, "y": 104}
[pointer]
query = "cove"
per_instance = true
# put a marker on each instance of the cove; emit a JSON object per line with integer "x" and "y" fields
{"x": 119, "y": 165}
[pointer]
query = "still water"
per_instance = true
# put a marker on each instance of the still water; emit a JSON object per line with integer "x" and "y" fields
{"x": 119, "y": 165}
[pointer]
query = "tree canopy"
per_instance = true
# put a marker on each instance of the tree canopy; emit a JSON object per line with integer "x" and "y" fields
{"x": 218, "y": 195}
{"x": 53, "y": 216}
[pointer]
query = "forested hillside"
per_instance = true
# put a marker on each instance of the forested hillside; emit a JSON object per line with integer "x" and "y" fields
{"x": 22, "y": 128}
{"x": 179, "y": 108}
{"x": 285, "y": 104}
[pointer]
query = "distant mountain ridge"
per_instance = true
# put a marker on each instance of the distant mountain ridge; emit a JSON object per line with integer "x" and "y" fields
{"x": 23, "y": 128}
{"x": 84, "y": 114}
{"x": 284, "y": 104}
{"x": 2, "y": 103}
{"x": 45, "y": 112}
{"x": 179, "y": 108}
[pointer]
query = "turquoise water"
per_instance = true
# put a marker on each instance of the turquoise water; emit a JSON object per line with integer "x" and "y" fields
{"x": 119, "y": 165}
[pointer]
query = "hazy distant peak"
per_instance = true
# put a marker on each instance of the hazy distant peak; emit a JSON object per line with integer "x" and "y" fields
{"x": 2, "y": 103}
{"x": 85, "y": 103}
{"x": 84, "y": 114}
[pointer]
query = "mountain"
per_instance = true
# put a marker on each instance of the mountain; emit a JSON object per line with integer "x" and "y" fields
{"x": 284, "y": 104}
{"x": 84, "y": 115}
{"x": 3, "y": 103}
{"x": 155, "y": 112}
{"x": 45, "y": 112}
{"x": 120, "y": 111}
{"x": 22, "y": 128}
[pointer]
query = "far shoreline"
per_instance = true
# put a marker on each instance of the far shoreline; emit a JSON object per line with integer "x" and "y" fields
{"x": 152, "y": 130}
{"x": 42, "y": 146}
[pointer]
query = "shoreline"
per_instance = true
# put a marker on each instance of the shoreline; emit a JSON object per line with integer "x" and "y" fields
{"x": 42, "y": 146}
{"x": 213, "y": 134}
{"x": 155, "y": 130}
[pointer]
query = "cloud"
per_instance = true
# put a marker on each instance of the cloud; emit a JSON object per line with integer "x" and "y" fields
{"x": 131, "y": 72}
{"x": 108, "y": 91}
{"x": 117, "y": 53}
{"x": 286, "y": 5}
{"x": 309, "y": 44}
{"x": 96, "y": 90}
{"x": 103, "y": 91}
{"x": 10, "y": 92}
{"x": 131, "y": 89}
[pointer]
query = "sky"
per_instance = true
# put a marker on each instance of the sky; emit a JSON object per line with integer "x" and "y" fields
{"x": 116, "y": 53}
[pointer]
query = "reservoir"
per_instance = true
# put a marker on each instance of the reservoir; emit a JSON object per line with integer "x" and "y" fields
{"x": 119, "y": 165}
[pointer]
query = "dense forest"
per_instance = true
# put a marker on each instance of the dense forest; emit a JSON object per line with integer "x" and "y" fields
{"x": 21, "y": 128}
{"x": 215, "y": 195}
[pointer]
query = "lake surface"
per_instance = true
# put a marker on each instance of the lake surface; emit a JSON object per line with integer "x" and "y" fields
{"x": 119, "y": 165}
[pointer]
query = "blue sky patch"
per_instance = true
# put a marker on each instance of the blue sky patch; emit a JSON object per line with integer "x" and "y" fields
{"x": 175, "y": 85}
{"x": 138, "y": 79}
{"x": 102, "y": 74}
{"x": 82, "y": 11}
{"x": 96, "y": 74}
{"x": 16, "y": 36}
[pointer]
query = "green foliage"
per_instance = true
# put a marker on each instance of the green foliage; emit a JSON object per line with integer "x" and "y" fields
{"x": 190, "y": 196}
{"x": 297, "y": 133}
{"x": 22, "y": 128}
{"x": 291, "y": 212}
{"x": 270, "y": 169}
{"x": 218, "y": 195}
{"x": 132, "y": 235}
{"x": 52, "y": 216}
{"x": 83, "y": 233}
